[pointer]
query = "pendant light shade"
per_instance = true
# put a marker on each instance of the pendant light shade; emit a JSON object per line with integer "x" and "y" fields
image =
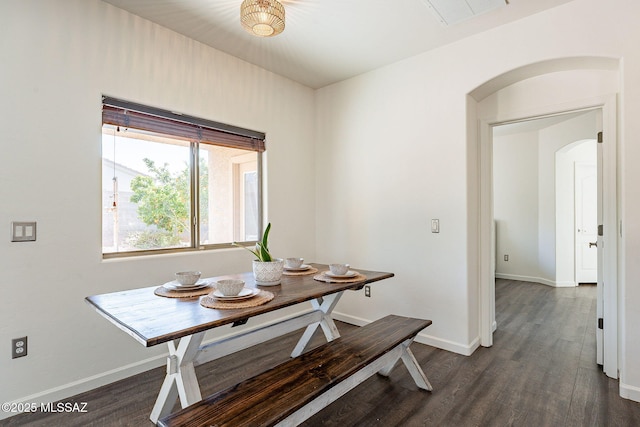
{"x": 263, "y": 18}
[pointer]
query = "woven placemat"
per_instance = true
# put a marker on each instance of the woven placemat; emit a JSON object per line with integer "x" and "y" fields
{"x": 164, "y": 292}
{"x": 311, "y": 270}
{"x": 262, "y": 297}
{"x": 322, "y": 277}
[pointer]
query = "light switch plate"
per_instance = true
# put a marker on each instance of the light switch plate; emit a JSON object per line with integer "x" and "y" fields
{"x": 23, "y": 231}
{"x": 435, "y": 225}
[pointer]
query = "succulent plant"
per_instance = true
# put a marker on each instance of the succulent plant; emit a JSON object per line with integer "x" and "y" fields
{"x": 261, "y": 250}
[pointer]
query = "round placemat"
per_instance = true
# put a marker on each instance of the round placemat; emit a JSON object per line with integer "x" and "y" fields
{"x": 262, "y": 297}
{"x": 322, "y": 277}
{"x": 311, "y": 270}
{"x": 169, "y": 293}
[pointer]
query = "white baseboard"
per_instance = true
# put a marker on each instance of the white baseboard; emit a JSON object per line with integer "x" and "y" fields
{"x": 422, "y": 338}
{"x": 536, "y": 280}
{"x": 629, "y": 392}
{"x": 352, "y": 320}
{"x": 68, "y": 390}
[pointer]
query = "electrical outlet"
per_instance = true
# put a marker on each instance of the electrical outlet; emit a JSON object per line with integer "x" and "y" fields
{"x": 506, "y": 257}
{"x": 367, "y": 291}
{"x": 18, "y": 347}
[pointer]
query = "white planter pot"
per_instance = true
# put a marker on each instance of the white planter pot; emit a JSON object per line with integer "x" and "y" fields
{"x": 268, "y": 273}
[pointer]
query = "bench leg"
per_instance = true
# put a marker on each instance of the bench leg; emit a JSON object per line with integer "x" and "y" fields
{"x": 411, "y": 363}
{"x": 326, "y": 306}
{"x": 342, "y": 388}
{"x": 414, "y": 369}
{"x": 180, "y": 380}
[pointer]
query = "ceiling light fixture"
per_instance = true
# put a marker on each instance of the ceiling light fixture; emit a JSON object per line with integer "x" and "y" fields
{"x": 263, "y": 18}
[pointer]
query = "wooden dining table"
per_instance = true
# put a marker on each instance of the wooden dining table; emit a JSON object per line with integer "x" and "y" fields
{"x": 182, "y": 323}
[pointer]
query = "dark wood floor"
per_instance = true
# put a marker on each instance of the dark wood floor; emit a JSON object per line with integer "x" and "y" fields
{"x": 541, "y": 371}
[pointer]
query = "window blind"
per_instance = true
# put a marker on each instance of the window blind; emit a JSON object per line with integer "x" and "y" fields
{"x": 136, "y": 116}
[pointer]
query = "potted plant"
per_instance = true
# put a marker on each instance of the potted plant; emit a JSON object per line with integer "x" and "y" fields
{"x": 266, "y": 269}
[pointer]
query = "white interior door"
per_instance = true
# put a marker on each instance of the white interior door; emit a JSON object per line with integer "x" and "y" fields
{"x": 586, "y": 214}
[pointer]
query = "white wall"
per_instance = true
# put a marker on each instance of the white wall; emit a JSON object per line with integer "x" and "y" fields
{"x": 394, "y": 154}
{"x": 516, "y": 200}
{"x": 58, "y": 57}
{"x": 392, "y": 159}
{"x": 528, "y": 209}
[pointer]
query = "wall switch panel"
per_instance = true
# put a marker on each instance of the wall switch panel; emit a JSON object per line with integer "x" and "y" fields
{"x": 23, "y": 231}
{"x": 435, "y": 225}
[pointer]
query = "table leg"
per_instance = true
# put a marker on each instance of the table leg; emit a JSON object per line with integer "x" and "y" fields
{"x": 180, "y": 380}
{"x": 326, "y": 306}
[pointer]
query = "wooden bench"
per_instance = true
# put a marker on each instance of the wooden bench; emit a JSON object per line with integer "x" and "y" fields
{"x": 293, "y": 391}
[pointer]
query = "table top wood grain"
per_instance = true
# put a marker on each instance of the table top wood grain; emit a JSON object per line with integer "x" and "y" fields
{"x": 152, "y": 319}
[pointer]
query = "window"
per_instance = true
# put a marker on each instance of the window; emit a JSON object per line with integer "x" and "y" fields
{"x": 173, "y": 182}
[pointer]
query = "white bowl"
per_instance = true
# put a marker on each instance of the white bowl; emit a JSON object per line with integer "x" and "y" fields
{"x": 339, "y": 269}
{"x": 187, "y": 278}
{"x": 293, "y": 262}
{"x": 230, "y": 287}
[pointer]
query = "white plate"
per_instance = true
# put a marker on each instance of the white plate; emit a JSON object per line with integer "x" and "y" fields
{"x": 175, "y": 286}
{"x": 349, "y": 274}
{"x": 303, "y": 267}
{"x": 244, "y": 294}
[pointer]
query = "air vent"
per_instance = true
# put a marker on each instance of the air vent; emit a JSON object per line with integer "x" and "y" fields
{"x": 451, "y": 12}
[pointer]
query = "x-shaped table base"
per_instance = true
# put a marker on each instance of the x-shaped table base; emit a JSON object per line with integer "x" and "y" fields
{"x": 188, "y": 352}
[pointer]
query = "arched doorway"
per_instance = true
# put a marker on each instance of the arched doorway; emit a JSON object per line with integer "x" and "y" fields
{"x": 538, "y": 90}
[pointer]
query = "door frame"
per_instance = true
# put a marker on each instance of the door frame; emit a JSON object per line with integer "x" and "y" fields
{"x": 608, "y": 105}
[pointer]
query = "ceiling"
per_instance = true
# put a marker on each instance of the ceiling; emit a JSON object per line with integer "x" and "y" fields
{"x": 536, "y": 124}
{"x": 326, "y": 41}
